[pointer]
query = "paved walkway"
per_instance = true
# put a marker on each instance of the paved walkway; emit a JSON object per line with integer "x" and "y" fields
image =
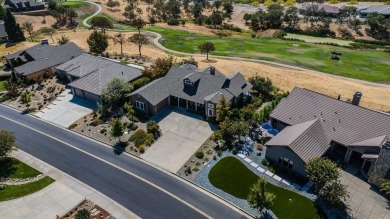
{"x": 364, "y": 202}
{"x": 57, "y": 198}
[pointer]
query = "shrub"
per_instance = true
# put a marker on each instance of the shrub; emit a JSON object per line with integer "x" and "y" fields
{"x": 142, "y": 149}
{"x": 219, "y": 153}
{"x": 103, "y": 131}
{"x": 141, "y": 137}
{"x": 214, "y": 157}
{"x": 265, "y": 162}
{"x": 196, "y": 169}
{"x": 199, "y": 154}
{"x": 173, "y": 22}
{"x": 234, "y": 151}
{"x": 197, "y": 164}
{"x": 132, "y": 126}
{"x": 97, "y": 122}
{"x": 72, "y": 126}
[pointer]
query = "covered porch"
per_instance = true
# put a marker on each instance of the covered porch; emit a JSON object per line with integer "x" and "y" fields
{"x": 190, "y": 106}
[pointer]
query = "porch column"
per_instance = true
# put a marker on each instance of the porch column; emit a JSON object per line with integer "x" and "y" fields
{"x": 186, "y": 104}
{"x": 169, "y": 100}
{"x": 364, "y": 163}
{"x": 178, "y": 102}
{"x": 347, "y": 156}
{"x": 196, "y": 107}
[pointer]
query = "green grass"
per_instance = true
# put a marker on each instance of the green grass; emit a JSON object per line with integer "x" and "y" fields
{"x": 233, "y": 177}
{"x": 311, "y": 39}
{"x": 13, "y": 168}
{"x": 368, "y": 65}
{"x": 17, "y": 191}
{"x": 72, "y": 4}
{"x": 2, "y": 80}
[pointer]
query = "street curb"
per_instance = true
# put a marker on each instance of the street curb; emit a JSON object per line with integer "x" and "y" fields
{"x": 204, "y": 190}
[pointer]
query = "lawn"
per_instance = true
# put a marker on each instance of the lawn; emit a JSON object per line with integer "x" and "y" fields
{"x": 311, "y": 39}
{"x": 368, "y": 65}
{"x": 13, "y": 168}
{"x": 233, "y": 177}
{"x": 2, "y": 80}
{"x": 17, "y": 191}
{"x": 72, "y": 4}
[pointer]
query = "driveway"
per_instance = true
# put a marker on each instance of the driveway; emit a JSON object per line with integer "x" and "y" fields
{"x": 183, "y": 133}
{"x": 66, "y": 109}
{"x": 364, "y": 201}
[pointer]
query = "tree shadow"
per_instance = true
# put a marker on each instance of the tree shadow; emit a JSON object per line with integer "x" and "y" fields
{"x": 7, "y": 167}
{"x": 118, "y": 149}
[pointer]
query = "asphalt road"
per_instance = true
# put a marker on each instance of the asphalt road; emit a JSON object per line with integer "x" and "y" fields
{"x": 141, "y": 198}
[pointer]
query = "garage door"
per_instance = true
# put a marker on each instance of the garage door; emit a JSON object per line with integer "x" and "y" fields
{"x": 91, "y": 97}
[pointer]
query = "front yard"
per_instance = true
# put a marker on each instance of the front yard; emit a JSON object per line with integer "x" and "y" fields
{"x": 233, "y": 177}
{"x": 3, "y": 79}
{"x": 20, "y": 179}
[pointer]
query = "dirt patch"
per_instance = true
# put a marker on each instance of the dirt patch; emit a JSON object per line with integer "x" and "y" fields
{"x": 95, "y": 210}
{"x": 298, "y": 51}
{"x": 35, "y": 20}
{"x": 189, "y": 27}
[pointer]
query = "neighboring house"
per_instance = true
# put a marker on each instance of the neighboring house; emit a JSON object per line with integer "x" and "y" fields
{"x": 186, "y": 86}
{"x": 314, "y": 125}
{"x": 382, "y": 9}
{"x": 23, "y": 5}
{"x": 89, "y": 74}
{"x": 3, "y": 34}
{"x": 41, "y": 59}
{"x": 331, "y": 11}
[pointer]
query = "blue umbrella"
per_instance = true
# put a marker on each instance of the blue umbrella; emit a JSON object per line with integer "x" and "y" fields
{"x": 266, "y": 125}
{"x": 273, "y": 131}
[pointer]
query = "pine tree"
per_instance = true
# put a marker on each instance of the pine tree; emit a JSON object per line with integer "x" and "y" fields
{"x": 15, "y": 33}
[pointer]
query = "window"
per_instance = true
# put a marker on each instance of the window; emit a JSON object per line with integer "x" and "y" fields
{"x": 286, "y": 162}
{"x": 210, "y": 112}
{"x": 140, "y": 105}
{"x": 187, "y": 81}
{"x": 210, "y": 105}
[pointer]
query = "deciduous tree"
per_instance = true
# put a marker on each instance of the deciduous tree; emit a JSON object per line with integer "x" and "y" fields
{"x": 139, "y": 40}
{"x": 101, "y": 22}
{"x": 262, "y": 86}
{"x": 29, "y": 28}
{"x": 138, "y": 23}
{"x": 114, "y": 94}
{"x": 321, "y": 170}
{"x": 333, "y": 193}
{"x": 48, "y": 31}
{"x": 153, "y": 127}
{"x": 120, "y": 39}
{"x": 97, "y": 42}
{"x": 258, "y": 197}
{"x": 7, "y": 143}
{"x": 63, "y": 40}
{"x": 206, "y": 48}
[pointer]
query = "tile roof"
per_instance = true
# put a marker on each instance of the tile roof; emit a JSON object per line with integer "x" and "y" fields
{"x": 43, "y": 56}
{"x": 342, "y": 122}
{"x": 97, "y": 72}
{"x": 205, "y": 86}
{"x": 306, "y": 139}
{"x": 2, "y": 30}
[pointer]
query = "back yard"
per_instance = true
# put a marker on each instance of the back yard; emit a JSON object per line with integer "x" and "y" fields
{"x": 233, "y": 177}
{"x": 368, "y": 65}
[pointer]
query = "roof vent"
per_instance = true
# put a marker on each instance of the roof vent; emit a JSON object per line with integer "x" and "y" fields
{"x": 333, "y": 129}
{"x": 339, "y": 120}
{"x": 122, "y": 72}
{"x": 47, "y": 58}
{"x": 212, "y": 70}
{"x": 356, "y": 98}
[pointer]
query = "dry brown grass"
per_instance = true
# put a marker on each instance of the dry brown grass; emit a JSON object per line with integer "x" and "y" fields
{"x": 376, "y": 97}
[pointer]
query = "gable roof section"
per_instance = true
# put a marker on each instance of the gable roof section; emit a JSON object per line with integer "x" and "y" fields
{"x": 40, "y": 57}
{"x": 206, "y": 86}
{"x": 342, "y": 122}
{"x": 98, "y": 79}
{"x": 372, "y": 142}
{"x": 306, "y": 139}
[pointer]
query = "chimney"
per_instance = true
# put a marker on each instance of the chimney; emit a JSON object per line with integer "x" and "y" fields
{"x": 356, "y": 98}
{"x": 338, "y": 98}
{"x": 212, "y": 71}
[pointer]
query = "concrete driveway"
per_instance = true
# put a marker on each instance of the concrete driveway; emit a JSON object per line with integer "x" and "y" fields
{"x": 183, "y": 133}
{"x": 66, "y": 109}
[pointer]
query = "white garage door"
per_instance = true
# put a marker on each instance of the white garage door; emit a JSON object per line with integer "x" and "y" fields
{"x": 78, "y": 93}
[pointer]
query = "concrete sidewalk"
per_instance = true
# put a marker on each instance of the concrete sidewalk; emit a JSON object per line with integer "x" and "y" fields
{"x": 57, "y": 198}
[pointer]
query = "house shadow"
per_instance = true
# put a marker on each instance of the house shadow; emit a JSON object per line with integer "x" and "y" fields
{"x": 84, "y": 103}
{"x": 169, "y": 110}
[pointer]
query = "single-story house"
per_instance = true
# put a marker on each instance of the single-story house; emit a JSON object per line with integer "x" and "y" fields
{"x": 23, "y": 5}
{"x": 3, "y": 34}
{"x": 186, "y": 86}
{"x": 380, "y": 9}
{"x": 331, "y": 11}
{"x": 41, "y": 59}
{"x": 315, "y": 125}
{"x": 89, "y": 75}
